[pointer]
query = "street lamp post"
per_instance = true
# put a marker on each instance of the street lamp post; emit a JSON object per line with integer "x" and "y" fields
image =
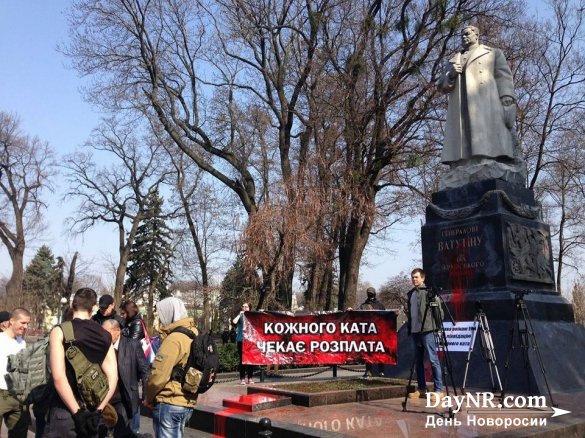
{"x": 63, "y": 308}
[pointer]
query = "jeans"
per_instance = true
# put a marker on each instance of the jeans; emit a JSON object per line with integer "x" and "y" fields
{"x": 426, "y": 342}
{"x": 136, "y": 422}
{"x": 169, "y": 420}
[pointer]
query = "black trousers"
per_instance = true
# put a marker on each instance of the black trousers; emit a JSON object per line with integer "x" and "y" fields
{"x": 60, "y": 424}
{"x": 245, "y": 370}
{"x": 123, "y": 427}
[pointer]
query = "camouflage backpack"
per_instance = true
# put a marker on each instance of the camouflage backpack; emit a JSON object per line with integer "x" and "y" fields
{"x": 28, "y": 374}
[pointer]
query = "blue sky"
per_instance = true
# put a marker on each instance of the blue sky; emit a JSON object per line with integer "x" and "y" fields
{"x": 36, "y": 84}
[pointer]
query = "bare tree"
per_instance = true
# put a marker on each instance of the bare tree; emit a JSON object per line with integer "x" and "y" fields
{"x": 26, "y": 168}
{"x": 548, "y": 58}
{"x": 562, "y": 187}
{"x": 579, "y": 301}
{"x": 383, "y": 58}
{"x": 248, "y": 93}
{"x": 393, "y": 293}
{"x": 117, "y": 193}
{"x": 550, "y": 78}
{"x": 151, "y": 59}
{"x": 204, "y": 215}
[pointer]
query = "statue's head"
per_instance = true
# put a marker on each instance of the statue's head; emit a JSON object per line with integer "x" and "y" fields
{"x": 470, "y": 36}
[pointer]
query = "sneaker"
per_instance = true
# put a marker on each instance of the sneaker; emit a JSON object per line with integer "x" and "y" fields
{"x": 250, "y": 381}
{"x": 418, "y": 394}
{"x": 366, "y": 375}
{"x": 242, "y": 382}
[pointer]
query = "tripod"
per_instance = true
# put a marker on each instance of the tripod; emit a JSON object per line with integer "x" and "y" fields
{"x": 487, "y": 347}
{"x": 522, "y": 327}
{"x": 432, "y": 308}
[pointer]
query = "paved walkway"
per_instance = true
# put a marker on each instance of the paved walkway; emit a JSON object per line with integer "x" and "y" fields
{"x": 385, "y": 418}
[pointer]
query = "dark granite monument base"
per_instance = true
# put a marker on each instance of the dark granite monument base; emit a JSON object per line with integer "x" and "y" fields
{"x": 562, "y": 350}
{"x": 487, "y": 237}
{"x": 366, "y": 390}
{"x": 486, "y": 242}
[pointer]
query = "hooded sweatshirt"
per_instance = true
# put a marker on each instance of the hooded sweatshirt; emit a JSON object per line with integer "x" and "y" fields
{"x": 170, "y": 310}
{"x": 174, "y": 350}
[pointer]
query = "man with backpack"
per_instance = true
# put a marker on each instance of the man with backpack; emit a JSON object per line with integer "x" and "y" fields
{"x": 14, "y": 414}
{"x": 172, "y": 406}
{"x": 73, "y": 413}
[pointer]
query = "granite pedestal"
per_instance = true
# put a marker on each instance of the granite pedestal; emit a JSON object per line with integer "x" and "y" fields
{"x": 486, "y": 242}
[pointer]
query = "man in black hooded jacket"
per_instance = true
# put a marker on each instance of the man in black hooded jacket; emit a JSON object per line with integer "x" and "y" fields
{"x": 372, "y": 303}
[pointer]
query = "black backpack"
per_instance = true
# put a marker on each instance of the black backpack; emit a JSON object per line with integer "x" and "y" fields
{"x": 200, "y": 371}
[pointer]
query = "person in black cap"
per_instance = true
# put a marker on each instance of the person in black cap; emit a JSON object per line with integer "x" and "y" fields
{"x": 4, "y": 320}
{"x": 372, "y": 304}
{"x": 106, "y": 311}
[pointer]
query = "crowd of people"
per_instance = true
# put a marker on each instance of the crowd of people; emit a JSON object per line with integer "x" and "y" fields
{"x": 111, "y": 340}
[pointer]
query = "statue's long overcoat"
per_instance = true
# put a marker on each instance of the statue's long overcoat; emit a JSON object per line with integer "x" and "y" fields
{"x": 475, "y": 117}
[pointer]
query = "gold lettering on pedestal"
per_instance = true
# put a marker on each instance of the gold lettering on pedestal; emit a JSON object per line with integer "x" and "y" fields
{"x": 466, "y": 242}
{"x": 461, "y": 231}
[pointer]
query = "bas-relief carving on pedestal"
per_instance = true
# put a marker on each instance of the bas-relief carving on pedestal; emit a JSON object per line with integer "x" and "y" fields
{"x": 529, "y": 254}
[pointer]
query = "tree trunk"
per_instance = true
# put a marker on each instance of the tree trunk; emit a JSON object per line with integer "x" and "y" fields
{"x": 125, "y": 244}
{"x": 201, "y": 259}
{"x": 350, "y": 254}
{"x": 120, "y": 275}
{"x": 284, "y": 288}
{"x": 71, "y": 277}
{"x": 150, "y": 307}
{"x": 561, "y": 244}
{"x": 14, "y": 284}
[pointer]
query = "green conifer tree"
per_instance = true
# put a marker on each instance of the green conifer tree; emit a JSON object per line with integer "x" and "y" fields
{"x": 236, "y": 288}
{"x": 149, "y": 270}
{"x": 42, "y": 286}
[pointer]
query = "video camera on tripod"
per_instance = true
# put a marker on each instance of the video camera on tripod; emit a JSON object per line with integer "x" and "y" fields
{"x": 519, "y": 294}
{"x": 432, "y": 292}
{"x": 433, "y": 303}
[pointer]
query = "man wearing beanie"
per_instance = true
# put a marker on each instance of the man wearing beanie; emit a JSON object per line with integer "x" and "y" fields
{"x": 107, "y": 311}
{"x": 171, "y": 406}
{"x": 372, "y": 303}
{"x": 4, "y": 320}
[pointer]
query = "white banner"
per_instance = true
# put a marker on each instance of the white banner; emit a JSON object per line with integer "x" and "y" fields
{"x": 460, "y": 336}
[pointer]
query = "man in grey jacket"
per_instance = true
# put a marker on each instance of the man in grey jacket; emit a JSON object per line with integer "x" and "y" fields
{"x": 422, "y": 325}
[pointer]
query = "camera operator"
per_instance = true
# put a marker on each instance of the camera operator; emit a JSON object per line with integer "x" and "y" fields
{"x": 422, "y": 330}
